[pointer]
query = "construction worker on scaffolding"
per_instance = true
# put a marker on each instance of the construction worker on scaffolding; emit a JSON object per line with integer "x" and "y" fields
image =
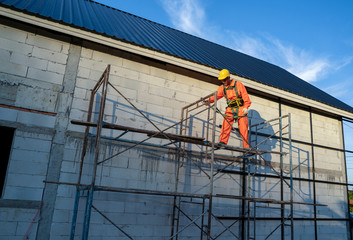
{"x": 238, "y": 102}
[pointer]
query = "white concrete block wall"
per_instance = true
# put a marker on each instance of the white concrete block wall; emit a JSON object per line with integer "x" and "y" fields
{"x": 266, "y": 227}
{"x": 335, "y": 198}
{"x": 134, "y": 214}
{"x": 327, "y": 131}
{"x": 262, "y": 109}
{"x": 300, "y": 123}
{"x": 14, "y": 223}
{"x": 329, "y": 165}
{"x": 160, "y": 94}
{"x": 32, "y": 67}
{"x": 146, "y": 170}
{"x": 303, "y": 192}
{"x": 229, "y": 184}
{"x": 27, "y": 118}
{"x": 149, "y": 215}
{"x": 332, "y": 230}
{"x": 151, "y": 90}
{"x": 27, "y": 166}
{"x": 24, "y": 181}
{"x": 307, "y": 230}
{"x": 27, "y": 169}
{"x": 36, "y": 98}
{"x": 37, "y": 61}
{"x": 302, "y": 166}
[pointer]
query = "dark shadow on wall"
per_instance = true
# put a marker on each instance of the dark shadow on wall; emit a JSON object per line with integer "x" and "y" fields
{"x": 133, "y": 118}
{"x": 264, "y": 183}
{"x": 259, "y": 135}
{"x": 260, "y": 185}
{"x": 262, "y": 137}
{"x": 303, "y": 190}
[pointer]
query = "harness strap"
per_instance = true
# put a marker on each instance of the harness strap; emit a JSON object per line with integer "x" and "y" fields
{"x": 233, "y": 103}
{"x": 235, "y": 113}
{"x": 235, "y": 117}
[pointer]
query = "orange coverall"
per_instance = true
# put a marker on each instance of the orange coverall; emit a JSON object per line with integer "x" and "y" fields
{"x": 243, "y": 120}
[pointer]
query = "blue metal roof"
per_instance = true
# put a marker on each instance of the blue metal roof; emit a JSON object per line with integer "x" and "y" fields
{"x": 111, "y": 22}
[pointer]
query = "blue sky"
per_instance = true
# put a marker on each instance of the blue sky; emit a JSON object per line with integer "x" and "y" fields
{"x": 312, "y": 39}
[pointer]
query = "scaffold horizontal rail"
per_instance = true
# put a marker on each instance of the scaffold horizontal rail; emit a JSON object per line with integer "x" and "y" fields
{"x": 245, "y": 150}
{"x": 265, "y": 200}
{"x": 180, "y": 194}
{"x": 137, "y": 130}
{"x": 183, "y": 138}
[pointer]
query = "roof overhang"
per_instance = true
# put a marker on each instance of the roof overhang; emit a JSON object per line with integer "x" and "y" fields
{"x": 115, "y": 43}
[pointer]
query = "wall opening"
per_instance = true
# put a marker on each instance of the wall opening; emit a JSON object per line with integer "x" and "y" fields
{"x": 7, "y": 134}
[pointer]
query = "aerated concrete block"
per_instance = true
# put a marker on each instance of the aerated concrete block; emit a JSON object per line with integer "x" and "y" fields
{"x": 13, "y": 34}
{"x": 31, "y": 144}
{"x": 7, "y": 229}
{"x": 23, "y": 193}
{"x": 15, "y": 46}
{"x": 45, "y": 76}
{"x": 13, "y": 68}
{"x": 44, "y": 43}
{"x": 53, "y": 56}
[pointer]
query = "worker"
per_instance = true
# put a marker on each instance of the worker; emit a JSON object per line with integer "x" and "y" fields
{"x": 238, "y": 102}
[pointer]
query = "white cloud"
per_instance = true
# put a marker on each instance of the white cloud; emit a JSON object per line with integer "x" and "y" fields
{"x": 344, "y": 62}
{"x": 297, "y": 61}
{"x": 186, "y": 15}
{"x": 189, "y": 16}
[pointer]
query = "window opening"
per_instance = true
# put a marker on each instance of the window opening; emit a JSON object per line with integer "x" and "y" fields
{"x": 7, "y": 134}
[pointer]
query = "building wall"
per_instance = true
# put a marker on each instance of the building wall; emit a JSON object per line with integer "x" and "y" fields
{"x": 54, "y": 74}
{"x": 32, "y": 72}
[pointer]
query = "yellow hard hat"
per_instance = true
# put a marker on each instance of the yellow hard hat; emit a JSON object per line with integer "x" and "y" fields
{"x": 224, "y": 73}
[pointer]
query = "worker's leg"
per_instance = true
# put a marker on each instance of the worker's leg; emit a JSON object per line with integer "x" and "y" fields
{"x": 243, "y": 129}
{"x": 226, "y": 127}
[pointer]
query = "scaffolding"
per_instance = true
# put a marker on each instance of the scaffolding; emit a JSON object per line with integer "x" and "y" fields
{"x": 212, "y": 165}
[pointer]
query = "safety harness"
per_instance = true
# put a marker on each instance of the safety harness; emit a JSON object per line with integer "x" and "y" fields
{"x": 236, "y": 103}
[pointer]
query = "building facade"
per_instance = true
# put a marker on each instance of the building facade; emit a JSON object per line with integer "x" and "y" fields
{"x": 47, "y": 74}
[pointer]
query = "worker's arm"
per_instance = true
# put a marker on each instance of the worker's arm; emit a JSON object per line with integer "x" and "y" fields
{"x": 220, "y": 94}
{"x": 244, "y": 94}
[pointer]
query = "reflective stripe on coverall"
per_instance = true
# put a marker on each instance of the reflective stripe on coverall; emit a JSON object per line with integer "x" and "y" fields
{"x": 242, "y": 120}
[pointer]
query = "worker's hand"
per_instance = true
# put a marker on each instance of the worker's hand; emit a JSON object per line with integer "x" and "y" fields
{"x": 245, "y": 111}
{"x": 205, "y": 102}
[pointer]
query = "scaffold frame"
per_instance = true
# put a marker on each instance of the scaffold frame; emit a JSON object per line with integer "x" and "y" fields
{"x": 85, "y": 190}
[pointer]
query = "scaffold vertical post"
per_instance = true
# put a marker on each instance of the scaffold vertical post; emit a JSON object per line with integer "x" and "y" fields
{"x": 104, "y": 77}
{"x": 102, "y": 81}
{"x": 211, "y": 166}
{"x": 176, "y": 200}
{"x": 281, "y": 172}
{"x": 74, "y": 216}
{"x": 291, "y": 176}
{"x": 88, "y": 211}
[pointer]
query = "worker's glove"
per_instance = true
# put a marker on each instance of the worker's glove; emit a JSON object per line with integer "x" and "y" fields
{"x": 245, "y": 111}
{"x": 206, "y": 102}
